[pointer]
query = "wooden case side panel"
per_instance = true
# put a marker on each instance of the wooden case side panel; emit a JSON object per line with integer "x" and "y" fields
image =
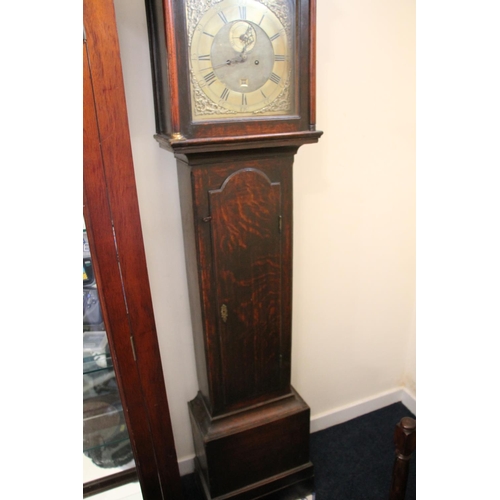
{"x": 158, "y": 54}
{"x": 286, "y": 277}
{"x": 189, "y": 213}
{"x": 312, "y": 64}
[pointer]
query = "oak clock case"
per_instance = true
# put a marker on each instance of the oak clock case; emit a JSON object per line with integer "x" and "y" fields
{"x": 231, "y": 107}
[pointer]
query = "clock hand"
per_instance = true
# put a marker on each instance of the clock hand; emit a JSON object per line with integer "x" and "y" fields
{"x": 241, "y": 58}
{"x": 247, "y": 39}
{"x": 227, "y": 63}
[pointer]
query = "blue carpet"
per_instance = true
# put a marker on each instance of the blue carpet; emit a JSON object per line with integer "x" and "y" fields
{"x": 353, "y": 460}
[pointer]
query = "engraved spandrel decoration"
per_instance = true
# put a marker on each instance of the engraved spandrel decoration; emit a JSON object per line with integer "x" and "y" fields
{"x": 195, "y": 10}
{"x": 282, "y": 102}
{"x": 203, "y": 106}
{"x": 282, "y": 12}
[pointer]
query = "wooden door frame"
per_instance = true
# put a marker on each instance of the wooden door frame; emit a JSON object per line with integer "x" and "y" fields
{"x": 113, "y": 225}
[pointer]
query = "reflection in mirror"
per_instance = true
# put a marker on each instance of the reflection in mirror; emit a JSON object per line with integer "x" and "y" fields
{"x": 106, "y": 443}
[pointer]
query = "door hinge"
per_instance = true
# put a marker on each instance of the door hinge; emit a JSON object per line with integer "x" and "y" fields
{"x": 133, "y": 347}
{"x": 280, "y": 223}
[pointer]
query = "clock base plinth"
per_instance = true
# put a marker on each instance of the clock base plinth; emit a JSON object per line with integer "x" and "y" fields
{"x": 260, "y": 452}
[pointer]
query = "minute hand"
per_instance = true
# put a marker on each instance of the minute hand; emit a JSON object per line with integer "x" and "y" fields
{"x": 241, "y": 58}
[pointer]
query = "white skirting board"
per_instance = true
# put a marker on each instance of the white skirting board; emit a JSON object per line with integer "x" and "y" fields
{"x": 362, "y": 407}
{"x": 340, "y": 415}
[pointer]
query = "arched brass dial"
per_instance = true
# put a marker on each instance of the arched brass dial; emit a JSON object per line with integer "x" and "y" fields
{"x": 241, "y": 58}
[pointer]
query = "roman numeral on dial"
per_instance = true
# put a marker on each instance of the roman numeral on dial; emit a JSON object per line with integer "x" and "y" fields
{"x": 243, "y": 12}
{"x": 223, "y": 17}
{"x": 210, "y": 78}
{"x": 275, "y": 78}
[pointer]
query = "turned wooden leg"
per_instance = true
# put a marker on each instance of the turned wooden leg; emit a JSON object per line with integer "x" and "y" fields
{"x": 404, "y": 440}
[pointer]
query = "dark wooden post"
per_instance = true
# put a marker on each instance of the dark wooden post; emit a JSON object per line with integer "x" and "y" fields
{"x": 405, "y": 440}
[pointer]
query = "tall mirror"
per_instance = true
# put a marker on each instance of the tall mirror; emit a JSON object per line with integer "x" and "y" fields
{"x": 106, "y": 444}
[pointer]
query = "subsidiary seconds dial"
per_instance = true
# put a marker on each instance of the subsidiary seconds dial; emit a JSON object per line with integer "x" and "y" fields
{"x": 240, "y": 61}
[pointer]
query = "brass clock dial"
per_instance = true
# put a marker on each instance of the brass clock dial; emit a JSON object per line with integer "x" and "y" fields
{"x": 241, "y": 59}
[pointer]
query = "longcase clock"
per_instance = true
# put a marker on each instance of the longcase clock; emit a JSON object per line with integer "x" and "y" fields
{"x": 234, "y": 86}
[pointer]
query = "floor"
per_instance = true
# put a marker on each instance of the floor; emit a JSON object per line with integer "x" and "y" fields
{"x": 130, "y": 491}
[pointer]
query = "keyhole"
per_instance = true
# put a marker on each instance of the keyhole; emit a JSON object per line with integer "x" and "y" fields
{"x": 223, "y": 312}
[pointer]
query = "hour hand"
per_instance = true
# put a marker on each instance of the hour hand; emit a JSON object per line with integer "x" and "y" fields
{"x": 241, "y": 58}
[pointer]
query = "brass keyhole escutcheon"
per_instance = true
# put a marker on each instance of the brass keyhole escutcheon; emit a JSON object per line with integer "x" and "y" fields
{"x": 223, "y": 312}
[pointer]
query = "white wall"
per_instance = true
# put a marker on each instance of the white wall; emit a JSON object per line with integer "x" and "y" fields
{"x": 354, "y": 195}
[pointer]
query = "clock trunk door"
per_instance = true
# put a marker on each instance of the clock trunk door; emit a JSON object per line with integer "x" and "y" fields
{"x": 247, "y": 258}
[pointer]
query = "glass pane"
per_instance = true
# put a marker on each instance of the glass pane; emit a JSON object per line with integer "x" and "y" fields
{"x": 106, "y": 444}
